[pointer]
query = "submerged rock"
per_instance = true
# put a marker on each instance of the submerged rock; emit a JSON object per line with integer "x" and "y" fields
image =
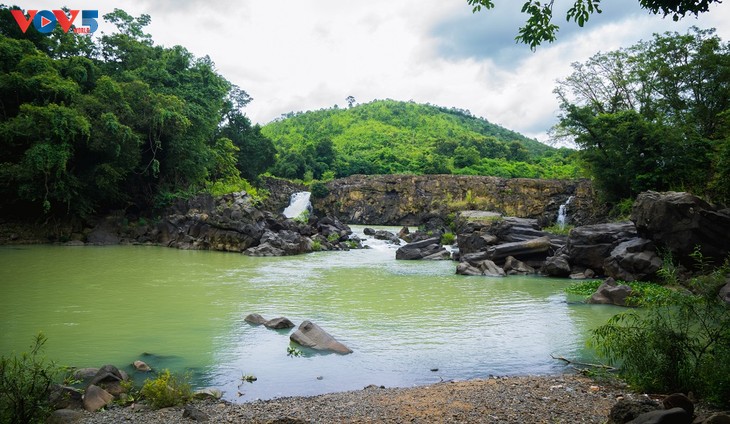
{"x": 255, "y": 319}
{"x": 425, "y": 249}
{"x": 280, "y": 323}
{"x": 313, "y": 336}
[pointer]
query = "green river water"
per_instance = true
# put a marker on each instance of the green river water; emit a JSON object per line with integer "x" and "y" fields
{"x": 184, "y": 310}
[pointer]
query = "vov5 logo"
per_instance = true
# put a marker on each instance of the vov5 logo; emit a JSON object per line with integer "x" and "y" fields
{"x": 46, "y": 20}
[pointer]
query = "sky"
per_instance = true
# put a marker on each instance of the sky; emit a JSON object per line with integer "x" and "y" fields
{"x": 298, "y": 55}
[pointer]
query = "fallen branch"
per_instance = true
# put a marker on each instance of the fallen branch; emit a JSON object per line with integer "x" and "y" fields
{"x": 583, "y": 364}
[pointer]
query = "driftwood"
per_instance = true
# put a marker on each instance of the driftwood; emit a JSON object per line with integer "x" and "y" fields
{"x": 583, "y": 364}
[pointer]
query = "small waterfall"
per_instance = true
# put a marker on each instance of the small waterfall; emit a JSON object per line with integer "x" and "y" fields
{"x": 562, "y": 214}
{"x": 298, "y": 203}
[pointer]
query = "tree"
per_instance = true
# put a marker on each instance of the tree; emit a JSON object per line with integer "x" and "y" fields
{"x": 650, "y": 117}
{"x": 350, "y": 101}
{"x": 540, "y": 28}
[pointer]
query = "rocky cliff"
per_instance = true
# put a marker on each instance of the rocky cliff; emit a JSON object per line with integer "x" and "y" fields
{"x": 413, "y": 199}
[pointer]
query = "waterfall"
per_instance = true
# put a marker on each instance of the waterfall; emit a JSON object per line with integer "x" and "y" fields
{"x": 562, "y": 214}
{"x": 298, "y": 203}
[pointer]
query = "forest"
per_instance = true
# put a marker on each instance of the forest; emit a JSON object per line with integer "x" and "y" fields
{"x": 391, "y": 137}
{"x": 93, "y": 124}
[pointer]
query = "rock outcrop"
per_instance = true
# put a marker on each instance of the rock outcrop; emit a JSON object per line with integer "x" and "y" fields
{"x": 425, "y": 249}
{"x": 413, "y": 199}
{"x": 313, "y": 336}
{"x": 681, "y": 221}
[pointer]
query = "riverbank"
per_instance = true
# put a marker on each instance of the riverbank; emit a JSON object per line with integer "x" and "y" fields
{"x": 532, "y": 399}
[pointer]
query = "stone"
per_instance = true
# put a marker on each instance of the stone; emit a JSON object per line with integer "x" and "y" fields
{"x": 679, "y": 400}
{"x": 85, "y": 375}
{"x": 141, "y": 366}
{"x": 520, "y": 249}
{"x": 313, "y": 336}
{"x": 65, "y": 416}
{"x": 194, "y": 413}
{"x": 65, "y": 397}
{"x": 368, "y": 231}
{"x": 680, "y": 221}
{"x": 513, "y": 266}
{"x": 255, "y": 319}
{"x": 96, "y": 398}
{"x": 664, "y": 416}
{"x": 280, "y": 323}
{"x": 475, "y": 241}
{"x": 464, "y": 268}
{"x": 589, "y": 246}
{"x": 483, "y": 267}
{"x": 633, "y": 260}
{"x": 610, "y": 293}
{"x": 626, "y": 410}
{"x": 420, "y": 249}
{"x": 387, "y": 236}
{"x": 405, "y": 234}
{"x": 107, "y": 374}
{"x": 724, "y": 293}
{"x": 718, "y": 418}
{"x": 556, "y": 266}
{"x": 209, "y": 393}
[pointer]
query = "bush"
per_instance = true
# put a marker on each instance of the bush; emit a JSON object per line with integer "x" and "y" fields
{"x": 319, "y": 189}
{"x": 680, "y": 343}
{"x": 167, "y": 390}
{"x": 25, "y": 383}
{"x": 448, "y": 239}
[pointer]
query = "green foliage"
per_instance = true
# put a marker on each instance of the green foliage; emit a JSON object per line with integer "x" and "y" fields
{"x": 293, "y": 352}
{"x": 680, "y": 343}
{"x": 645, "y": 121}
{"x": 540, "y": 28}
{"x": 316, "y": 245}
{"x": 302, "y": 218}
{"x": 643, "y": 293}
{"x": 448, "y": 239}
{"x": 319, "y": 189}
{"x": 387, "y": 136}
{"x": 167, "y": 390}
{"x": 558, "y": 229}
{"x": 89, "y": 124}
{"x": 333, "y": 238}
{"x": 25, "y": 383}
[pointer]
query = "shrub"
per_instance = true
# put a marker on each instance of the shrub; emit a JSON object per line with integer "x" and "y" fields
{"x": 167, "y": 390}
{"x": 448, "y": 239}
{"x": 319, "y": 189}
{"x": 680, "y": 343}
{"x": 316, "y": 245}
{"x": 25, "y": 383}
{"x": 557, "y": 229}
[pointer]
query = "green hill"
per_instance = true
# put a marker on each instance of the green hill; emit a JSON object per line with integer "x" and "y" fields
{"x": 388, "y": 136}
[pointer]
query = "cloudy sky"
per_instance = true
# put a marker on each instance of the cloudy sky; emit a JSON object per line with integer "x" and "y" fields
{"x": 295, "y": 55}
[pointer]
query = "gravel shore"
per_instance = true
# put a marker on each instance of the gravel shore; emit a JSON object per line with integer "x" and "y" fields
{"x": 549, "y": 399}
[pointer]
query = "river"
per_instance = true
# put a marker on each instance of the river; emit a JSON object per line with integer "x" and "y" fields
{"x": 408, "y": 322}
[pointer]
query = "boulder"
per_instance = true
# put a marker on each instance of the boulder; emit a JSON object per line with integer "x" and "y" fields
{"x": 483, "y": 267}
{"x": 626, "y": 410}
{"x": 368, "y": 231}
{"x": 663, "y": 416}
{"x": 425, "y": 249}
{"x": 717, "y": 418}
{"x": 632, "y": 260}
{"x": 610, "y": 293}
{"x": 405, "y": 234}
{"x": 65, "y": 397}
{"x": 387, "y": 236}
{"x": 556, "y": 266}
{"x": 279, "y": 323}
{"x": 520, "y": 249}
{"x": 255, "y": 319}
{"x": 107, "y": 374}
{"x": 85, "y": 375}
{"x": 476, "y": 241}
{"x": 725, "y": 293}
{"x": 589, "y": 246}
{"x": 141, "y": 366}
{"x": 313, "y": 336}
{"x": 282, "y": 243}
{"x": 96, "y": 398}
{"x": 195, "y": 414}
{"x": 679, "y": 400}
{"x": 65, "y": 416}
{"x": 513, "y": 266}
{"x": 680, "y": 221}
